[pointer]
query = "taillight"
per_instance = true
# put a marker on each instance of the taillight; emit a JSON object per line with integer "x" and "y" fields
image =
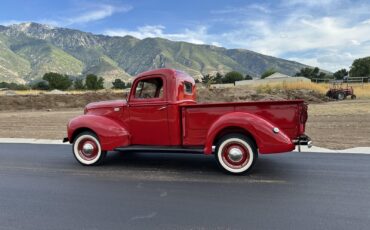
{"x": 304, "y": 115}
{"x": 303, "y": 118}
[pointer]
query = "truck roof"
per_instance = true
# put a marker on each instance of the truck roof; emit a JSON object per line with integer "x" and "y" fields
{"x": 167, "y": 72}
{"x": 175, "y": 82}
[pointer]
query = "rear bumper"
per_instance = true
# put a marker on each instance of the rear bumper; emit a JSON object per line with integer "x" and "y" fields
{"x": 303, "y": 140}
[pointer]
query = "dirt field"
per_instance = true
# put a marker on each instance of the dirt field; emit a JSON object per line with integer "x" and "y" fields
{"x": 336, "y": 125}
{"x": 339, "y": 125}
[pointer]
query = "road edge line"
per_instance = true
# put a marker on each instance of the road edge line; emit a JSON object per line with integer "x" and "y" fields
{"x": 314, "y": 149}
{"x": 31, "y": 141}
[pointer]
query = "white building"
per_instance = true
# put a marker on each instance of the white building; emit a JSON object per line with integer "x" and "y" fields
{"x": 274, "y": 78}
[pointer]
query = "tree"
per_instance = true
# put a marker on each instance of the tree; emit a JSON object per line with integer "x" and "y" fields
{"x": 218, "y": 78}
{"x": 310, "y": 73}
{"x": 57, "y": 81}
{"x": 232, "y": 77}
{"x": 248, "y": 77}
{"x": 41, "y": 85}
{"x": 79, "y": 84}
{"x": 207, "y": 80}
{"x": 14, "y": 86}
{"x": 322, "y": 75}
{"x": 360, "y": 67}
{"x": 118, "y": 84}
{"x": 340, "y": 74}
{"x": 93, "y": 82}
{"x": 129, "y": 84}
{"x": 267, "y": 73}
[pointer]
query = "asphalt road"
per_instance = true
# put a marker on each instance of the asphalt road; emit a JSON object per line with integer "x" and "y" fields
{"x": 43, "y": 187}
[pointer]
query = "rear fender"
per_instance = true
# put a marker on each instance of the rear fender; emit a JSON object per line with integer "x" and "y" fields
{"x": 111, "y": 134}
{"x": 260, "y": 129}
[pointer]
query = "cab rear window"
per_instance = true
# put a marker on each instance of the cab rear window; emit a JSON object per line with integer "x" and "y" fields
{"x": 188, "y": 88}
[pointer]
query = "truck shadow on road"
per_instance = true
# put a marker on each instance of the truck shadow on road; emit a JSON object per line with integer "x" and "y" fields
{"x": 183, "y": 163}
{"x": 162, "y": 161}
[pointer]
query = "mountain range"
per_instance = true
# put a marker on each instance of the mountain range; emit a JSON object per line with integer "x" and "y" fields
{"x": 28, "y": 50}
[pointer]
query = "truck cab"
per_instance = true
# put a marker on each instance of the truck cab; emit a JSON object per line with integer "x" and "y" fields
{"x": 153, "y": 106}
{"x": 161, "y": 115}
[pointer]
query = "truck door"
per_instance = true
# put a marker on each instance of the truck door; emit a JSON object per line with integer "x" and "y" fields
{"x": 148, "y": 112}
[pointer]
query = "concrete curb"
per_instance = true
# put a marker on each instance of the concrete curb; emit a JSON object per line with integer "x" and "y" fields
{"x": 315, "y": 149}
{"x": 359, "y": 150}
{"x": 31, "y": 141}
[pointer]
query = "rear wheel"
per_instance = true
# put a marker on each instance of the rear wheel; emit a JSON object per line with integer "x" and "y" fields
{"x": 236, "y": 153}
{"x": 340, "y": 96}
{"x": 87, "y": 149}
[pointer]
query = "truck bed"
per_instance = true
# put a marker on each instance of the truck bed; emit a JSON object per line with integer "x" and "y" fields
{"x": 197, "y": 118}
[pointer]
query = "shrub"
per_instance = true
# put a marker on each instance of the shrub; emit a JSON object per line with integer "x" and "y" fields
{"x": 57, "y": 81}
{"x": 93, "y": 82}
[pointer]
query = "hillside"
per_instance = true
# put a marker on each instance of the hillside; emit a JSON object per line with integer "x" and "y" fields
{"x": 28, "y": 50}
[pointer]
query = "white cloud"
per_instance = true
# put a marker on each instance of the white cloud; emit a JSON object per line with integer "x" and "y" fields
{"x": 247, "y": 9}
{"x": 97, "y": 13}
{"x": 330, "y": 37}
{"x": 308, "y": 34}
{"x": 85, "y": 14}
{"x": 198, "y": 36}
{"x": 366, "y": 21}
{"x": 310, "y": 3}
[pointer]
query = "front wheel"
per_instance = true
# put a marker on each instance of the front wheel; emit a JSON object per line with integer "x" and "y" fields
{"x": 236, "y": 153}
{"x": 87, "y": 149}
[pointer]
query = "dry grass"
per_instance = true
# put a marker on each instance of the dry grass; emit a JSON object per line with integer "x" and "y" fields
{"x": 268, "y": 88}
{"x": 362, "y": 91}
{"x": 38, "y": 92}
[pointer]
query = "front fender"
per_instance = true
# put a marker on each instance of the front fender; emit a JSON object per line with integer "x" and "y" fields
{"x": 259, "y": 128}
{"x": 111, "y": 134}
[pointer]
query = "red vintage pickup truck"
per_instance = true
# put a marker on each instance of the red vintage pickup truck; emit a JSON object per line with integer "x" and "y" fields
{"x": 162, "y": 115}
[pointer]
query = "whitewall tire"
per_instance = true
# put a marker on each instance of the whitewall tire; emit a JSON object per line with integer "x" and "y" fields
{"x": 87, "y": 149}
{"x": 236, "y": 153}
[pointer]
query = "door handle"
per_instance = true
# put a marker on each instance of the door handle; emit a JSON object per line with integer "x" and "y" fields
{"x": 162, "y": 108}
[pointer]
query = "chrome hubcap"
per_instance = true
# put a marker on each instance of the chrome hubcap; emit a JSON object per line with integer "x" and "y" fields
{"x": 235, "y": 154}
{"x": 88, "y": 148}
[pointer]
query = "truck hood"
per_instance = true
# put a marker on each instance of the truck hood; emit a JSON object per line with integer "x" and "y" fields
{"x": 106, "y": 104}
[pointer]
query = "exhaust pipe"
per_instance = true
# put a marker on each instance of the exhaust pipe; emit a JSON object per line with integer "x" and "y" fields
{"x": 309, "y": 144}
{"x": 303, "y": 140}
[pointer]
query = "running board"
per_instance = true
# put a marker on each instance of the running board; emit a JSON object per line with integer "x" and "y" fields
{"x": 161, "y": 149}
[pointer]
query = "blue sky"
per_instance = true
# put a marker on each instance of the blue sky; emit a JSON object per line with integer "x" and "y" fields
{"x": 329, "y": 34}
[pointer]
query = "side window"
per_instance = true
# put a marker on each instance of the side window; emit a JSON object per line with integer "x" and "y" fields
{"x": 149, "y": 88}
{"x": 188, "y": 87}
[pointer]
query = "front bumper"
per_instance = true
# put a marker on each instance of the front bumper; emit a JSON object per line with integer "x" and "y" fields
{"x": 303, "y": 140}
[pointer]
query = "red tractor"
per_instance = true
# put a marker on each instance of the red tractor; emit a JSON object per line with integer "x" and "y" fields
{"x": 337, "y": 91}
